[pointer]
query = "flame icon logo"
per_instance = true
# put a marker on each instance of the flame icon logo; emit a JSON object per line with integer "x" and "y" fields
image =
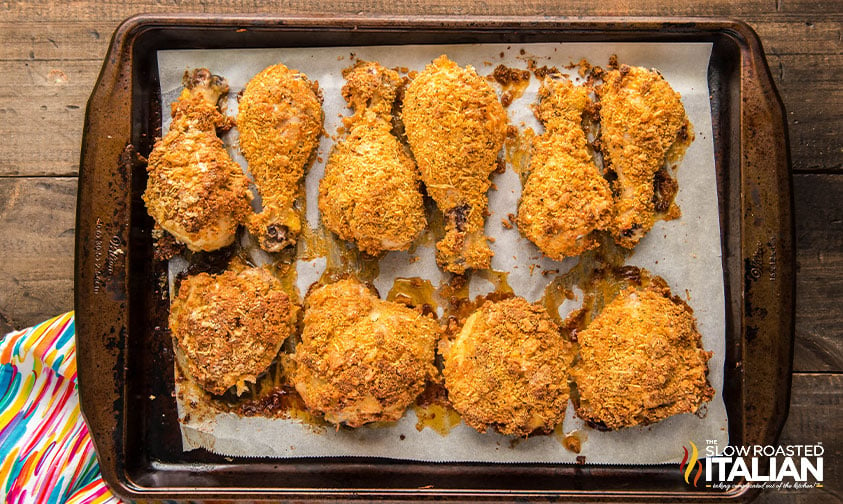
{"x": 687, "y": 465}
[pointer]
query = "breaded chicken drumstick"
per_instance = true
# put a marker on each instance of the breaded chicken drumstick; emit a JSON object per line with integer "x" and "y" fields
{"x": 643, "y": 125}
{"x": 280, "y": 120}
{"x": 456, "y": 126}
{"x": 565, "y": 199}
{"x": 370, "y": 193}
{"x": 195, "y": 191}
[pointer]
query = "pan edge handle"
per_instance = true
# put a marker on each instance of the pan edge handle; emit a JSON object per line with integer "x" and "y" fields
{"x": 767, "y": 249}
{"x": 101, "y": 296}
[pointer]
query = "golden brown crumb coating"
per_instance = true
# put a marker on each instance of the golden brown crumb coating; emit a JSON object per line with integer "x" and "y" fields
{"x": 229, "y": 327}
{"x": 508, "y": 369}
{"x": 641, "y": 360}
{"x": 195, "y": 191}
{"x": 455, "y": 126}
{"x": 280, "y": 120}
{"x": 370, "y": 193}
{"x": 642, "y": 123}
{"x": 565, "y": 199}
{"x": 362, "y": 359}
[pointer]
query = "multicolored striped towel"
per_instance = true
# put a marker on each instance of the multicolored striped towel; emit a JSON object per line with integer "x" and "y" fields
{"x": 46, "y": 454}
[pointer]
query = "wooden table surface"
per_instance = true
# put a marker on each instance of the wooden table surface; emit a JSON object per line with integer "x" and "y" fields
{"x": 51, "y": 54}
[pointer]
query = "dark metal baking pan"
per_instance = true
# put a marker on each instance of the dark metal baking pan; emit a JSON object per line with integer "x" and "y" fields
{"x": 124, "y": 352}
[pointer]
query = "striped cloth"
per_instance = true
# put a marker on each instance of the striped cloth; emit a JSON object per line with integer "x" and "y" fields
{"x": 46, "y": 454}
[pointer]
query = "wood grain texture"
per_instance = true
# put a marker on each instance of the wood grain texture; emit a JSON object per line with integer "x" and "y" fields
{"x": 37, "y": 221}
{"x": 810, "y": 86}
{"x": 56, "y": 40}
{"x": 782, "y": 35}
{"x": 813, "y": 9}
{"x": 88, "y": 40}
{"x": 42, "y": 109}
{"x": 815, "y": 403}
{"x": 819, "y": 277}
{"x": 115, "y": 10}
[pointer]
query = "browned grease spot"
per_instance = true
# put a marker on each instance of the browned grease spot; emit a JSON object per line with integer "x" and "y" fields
{"x": 459, "y": 306}
{"x": 600, "y": 274}
{"x": 280, "y": 402}
{"x": 583, "y": 67}
{"x": 435, "y": 230}
{"x": 665, "y": 191}
{"x": 513, "y": 81}
{"x": 498, "y": 279}
{"x": 517, "y": 151}
{"x": 572, "y": 441}
{"x": 434, "y": 411}
{"x": 541, "y": 72}
{"x": 164, "y": 245}
{"x": 439, "y": 418}
{"x": 344, "y": 260}
{"x": 270, "y": 397}
{"x": 416, "y": 293}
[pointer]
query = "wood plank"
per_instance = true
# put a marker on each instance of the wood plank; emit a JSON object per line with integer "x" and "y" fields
{"x": 42, "y": 107}
{"x": 813, "y": 8}
{"x": 72, "y": 40}
{"x": 113, "y": 10}
{"x": 815, "y": 403}
{"x": 37, "y": 225}
{"x": 811, "y": 89}
{"x": 819, "y": 278}
{"x": 55, "y": 40}
{"x": 781, "y": 35}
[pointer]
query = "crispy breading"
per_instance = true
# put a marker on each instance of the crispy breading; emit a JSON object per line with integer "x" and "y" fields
{"x": 455, "y": 126}
{"x": 362, "y": 359}
{"x": 565, "y": 199}
{"x": 643, "y": 122}
{"x": 641, "y": 360}
{"x": 370, "y": 193}
{"x": 507, "y": 369}
{"x": 280, "y": 121}
{"x": 195, "y": 191}
{"x": 230, "y": 327}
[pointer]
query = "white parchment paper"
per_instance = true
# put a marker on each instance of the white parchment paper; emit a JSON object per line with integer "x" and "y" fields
{"x": 685, "y": 252}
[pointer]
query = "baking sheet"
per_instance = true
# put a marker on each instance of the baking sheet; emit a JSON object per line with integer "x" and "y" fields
{"x": 685, "y": 252}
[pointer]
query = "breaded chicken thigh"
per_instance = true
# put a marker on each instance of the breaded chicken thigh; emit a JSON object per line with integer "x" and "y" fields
{"x": 643, "y": 124}
{"x": 370, "y": 193}
{"x": 280, "y": 120}
{"x": 508, "y": 369}
{"x": 228, "y": 328}
{"x": 361, "y": 359}
{"x": 641, "y": 360}
{"x": 195, "y": 191}
{"x": 455, "y": 126}
{"x": 565, "y": 199}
